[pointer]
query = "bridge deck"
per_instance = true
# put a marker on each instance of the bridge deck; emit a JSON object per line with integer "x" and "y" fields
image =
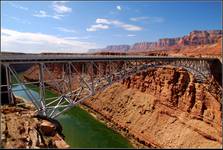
{"x": 32, "y": 58}
{"x": 90, "y": 78}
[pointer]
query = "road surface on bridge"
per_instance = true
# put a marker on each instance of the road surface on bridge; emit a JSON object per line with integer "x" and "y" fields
{"x": 31, "y": 58}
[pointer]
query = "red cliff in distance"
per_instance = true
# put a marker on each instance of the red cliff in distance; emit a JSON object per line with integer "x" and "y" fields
{"x": 196, "y": 40}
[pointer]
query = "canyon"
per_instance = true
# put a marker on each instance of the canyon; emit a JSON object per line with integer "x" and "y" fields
{"x": 160, "y": 107}
{"x": 163, "y": 108}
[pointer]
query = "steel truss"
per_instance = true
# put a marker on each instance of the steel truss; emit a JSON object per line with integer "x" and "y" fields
{"x": 90, "y": 77}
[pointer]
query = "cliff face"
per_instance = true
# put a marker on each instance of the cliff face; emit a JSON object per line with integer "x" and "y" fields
{"x": 201, "y": 37}
{"x": 143, "y": 46}
{"x": 195, "y": 38}
{"x": 201, "y": 50}
{"x": 111, "y": 48}
{"x": 116, "y": 48}
{"x": 163, "y": 108}
{"x": 168, "y": 42}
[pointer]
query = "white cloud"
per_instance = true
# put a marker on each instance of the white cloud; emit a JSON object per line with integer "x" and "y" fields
{"x": 148, "y": 19}
{"x": 43, "y": 14}
{"x": 131, "y": 35}
{"x": 29, "y": 42}
{"x": 77, "y": 38}
{"x": 97, "y": 27}
{"x": 57, "y": 16}
{"x": 59, "y": 11}
{"x": 120, "y": 24}
{"x": 62, "y": 29}
{"x": 130, "y": 27}
{"x": 59, "y": 7}
{"x": 71, "y": 38}
{"x": 123, "y": 36}
{"x": 18, "y": 6}
{"x": 119, "y": 7}
{"x": 138, "y": 18}
{"x": 105, "y": 21}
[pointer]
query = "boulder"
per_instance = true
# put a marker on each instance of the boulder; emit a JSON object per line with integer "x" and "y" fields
{"x": 47, "y": 128}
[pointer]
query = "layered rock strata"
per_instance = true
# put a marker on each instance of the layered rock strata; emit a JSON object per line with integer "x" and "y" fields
{"x": 193, "y": 41}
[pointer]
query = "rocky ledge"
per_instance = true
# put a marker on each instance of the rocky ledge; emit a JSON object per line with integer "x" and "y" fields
{"x": 21, "y": 128}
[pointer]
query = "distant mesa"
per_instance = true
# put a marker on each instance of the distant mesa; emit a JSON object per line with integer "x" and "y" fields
{"x": 113, "y": 48}
{"x": 193, "y": 39}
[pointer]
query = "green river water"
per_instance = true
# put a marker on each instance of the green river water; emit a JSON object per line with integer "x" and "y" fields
{"x": 81, "y": 130}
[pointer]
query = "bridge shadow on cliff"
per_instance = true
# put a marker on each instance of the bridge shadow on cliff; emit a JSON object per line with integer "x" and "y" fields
{"x": 216, "y": 70}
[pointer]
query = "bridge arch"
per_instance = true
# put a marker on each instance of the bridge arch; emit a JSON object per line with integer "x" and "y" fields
{"x": 92, "y": 76}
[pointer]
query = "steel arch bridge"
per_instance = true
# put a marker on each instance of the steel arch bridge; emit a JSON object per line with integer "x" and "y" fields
{"x": 90, "y": 73}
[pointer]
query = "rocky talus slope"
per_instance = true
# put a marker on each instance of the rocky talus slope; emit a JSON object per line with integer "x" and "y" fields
{"x": 21, "y": 129}
{"x": 164, "y": 108}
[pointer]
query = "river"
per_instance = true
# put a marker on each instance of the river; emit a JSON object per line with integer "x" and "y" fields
{"x": 80, "y": 129}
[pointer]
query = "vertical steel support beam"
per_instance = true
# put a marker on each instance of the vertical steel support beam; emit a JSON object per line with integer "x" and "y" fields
{"x": 202, "y": 64}
{"x": 196, "y": 65}
{"x": 70, "y": 78}
{"x": 64, "y": 80}
{"x": 98, "y": 69}
{"x": 42, "y": 89}
{"x": 8, "y": 80}
{"x": 110, "y": 72}
{"x": 136, "y": 66}
{"x": 82, "y": 69}
{"x": 82, "y": 75}
{"x": 92, "y": 78}
{"x": 199, "y": 66}
{"x": 124, "y": 66}
{"x": 207, "y": 67}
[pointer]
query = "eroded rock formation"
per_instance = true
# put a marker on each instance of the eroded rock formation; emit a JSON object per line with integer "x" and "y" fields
{"x": 21, "y": 129}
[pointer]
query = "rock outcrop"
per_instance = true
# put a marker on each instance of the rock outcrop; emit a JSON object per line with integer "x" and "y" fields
{"x": 47, "y": 128}
{"x": 201, "y": 37}
{"x": 21, "y": 129}
{"x": 163, "y": 108}
{"x": 116, "y": 48}
{"x": 201, "y": 50}
{"x": 143, "y": 46}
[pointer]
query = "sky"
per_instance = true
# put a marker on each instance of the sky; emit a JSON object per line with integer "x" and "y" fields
{"x": 77, "y": 26}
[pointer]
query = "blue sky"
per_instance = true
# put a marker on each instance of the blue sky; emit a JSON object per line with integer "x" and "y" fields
{"x": 76, "y": 26}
